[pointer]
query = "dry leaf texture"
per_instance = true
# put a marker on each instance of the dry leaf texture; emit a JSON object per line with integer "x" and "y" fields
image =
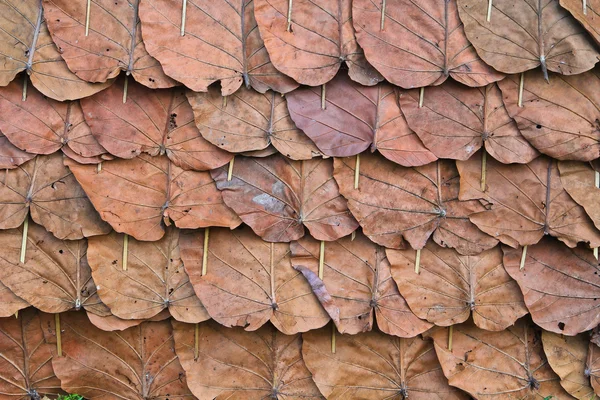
{"x": 10, "y": 155}
{"x": 587, "y": 15}
{"x": 579, "y": 179}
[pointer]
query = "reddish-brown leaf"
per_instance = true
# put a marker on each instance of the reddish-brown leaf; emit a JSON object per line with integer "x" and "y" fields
{"x": 45, "y": 188}
{"x": 579, "y": 180}
{"x": 524, "y": 202}
{"x": 249, "y": 282}
{"x": 112, "y": 323}
{"x": 250, "y": 122}
{"x": 374, "y": 366}
{"x": 10, "y": 155}
{"x": 234, "y": 364}
{"x": 561, "y": 286}
{"x": 421, "y": 43}
{"x": 141, "y": 195}
{"x": 153, "y": 279}
{"x": 278, "y": 197}
{"x": 455, "y": 121}
{"x": 356, "y": 274}
{"x": 11, "y": 303}
{"x": 221, "y": 43}
{"x": 586, "y": 13}
{"x": 522, "y": 35}
{"x": 594, "y": 366}
{"x": 394, "y": 204}
{"x": 356, "y": 118}
{"x": 153, "y": 122}
{"x": 559, "y": 118}
{"x": 319, "y": 40}
{"x": 114, "y": 42}
{"x": 449, "y": 287}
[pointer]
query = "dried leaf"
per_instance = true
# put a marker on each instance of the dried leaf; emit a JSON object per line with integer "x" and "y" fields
{"x": 140, "y": 196}
{"x": 320, "y": 291}
{"x": 559, "y": 118}
{"x": 234, "y": 364}
{"x": 508, "y": 364}
{"x": 594, "y": 366}
{"x": 138, "y": 363}
{"x": 356, "y": 118}
{"x": 374, "y": 366}
{"x": 522, "y": 35}
{"x": 420, "y": 44}
{"x": 114, "y": 42}
{"x": 25, "y": 366}
{"x": 250, "y": 122}
{"x": 55, "y": 276}
{"x": 319, "y": 40}
{"x": 394, "y": 204}
{"x": 47, "y": 189}
{"x": 112, "y": 323}
{"x": 10, "y": 155}
{"x": 568, "y": 357}
{"x": 154, "y": 278}
{"x": 524, "y": 203}
{"x": 11, "y": 303}
{"x": 455, "y": 121}
{"x": 579, "y": 180}
{"x": 559, "y": 284}
{"x": 449, "y": 287}
{"x": 249, "y": 282}
{"x": 221, "y": 43}
{"x": 153, "y": 122}
{"x": 586, "y": 13}
{"x": 277, "y": 197}
{"x": 357, "y": 275}
{"x": 26, "y": 45}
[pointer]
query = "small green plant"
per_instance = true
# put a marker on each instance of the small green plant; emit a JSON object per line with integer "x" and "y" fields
{"x": 72, "y": 396}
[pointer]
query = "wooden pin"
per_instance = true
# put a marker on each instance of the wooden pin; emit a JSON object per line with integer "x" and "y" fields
{"x": 450, "y": 332}
{"x": 321, "y": 259}
{"x": 24, "y": 239}
{"x": 87, "y": 17}
{"x": 521, "y": 85}
{"x": 17, "y": 314}
{"x": 357, "y": 171}
{"x": 289, "y": 16}
{"x": 24, "y": 96}
{"x": 323, "y": 93}
{"x": 353, "y": 236}
{"x": 99, "y": 167}
{"x": 183, "y": 16}
{"x": 205, "y": 251}
{"x": 196, "y": 342}
{"x": 489, "y": 11}
{"x": 421, "y": 96}
{"x": 125, "y": 86}
{"x": 333, "y": 329}
{"x": 584, "y": 7}
{"x": 224, "y": 102}
{"x": 382, "y": 15}
{"x": 58, "y": 335}
{"x": 125, "y": 251}
{"x": 418, "y": 262}
{"x": 483, "y": 169}
{"x": 523, "y": 257}
{"x": 230, "y": 170}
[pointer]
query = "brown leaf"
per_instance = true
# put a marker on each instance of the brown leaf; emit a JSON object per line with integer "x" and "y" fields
{"x": 114, "y": 42}
{"x": 140, "y": 196}
{"x": 586, "y": 14}
{"x": 55, "y": 276}
{"x": 568, "y": 357}
{"x": 449, "y": 287}
{"x": 221, "y": 43}
{"x": 356, "y": 118}
{"x": 249, "y": 282}
{"x": 579, "y": 180}
{"x": 508, "y": 364}
{"x": 594, "y": 366}
{"x": 25, "y": 366}
{"x": 559, "y": 284}
{"x": 26, "y": 45}
{"x": 357, "y": 275}
{"x": 138, "y": 363}
{"x": 420, "y": 44}
{"x": 320, "y": 291}
{"x": 234, "y": 364}
{"x": 374, "y": 366}
{"x": 153, "y": 122}
{"x": 394, "y": 204}
{"x": 559, "y": 118}
{"x": 45, "y": 188}
{"x": 154, "y": 278}
{"x": 319, "y": 40}
{"x": 112, "y": 323}
{"x": 523, "y": 35}
{"x": 524, "y": 203}
{"x": 10, "y": 155}
{"x": 278, "y": 197}
{"x": 455, "y": 121}
{"x": 250, "y": 122}
{"x": 11, "y": 303}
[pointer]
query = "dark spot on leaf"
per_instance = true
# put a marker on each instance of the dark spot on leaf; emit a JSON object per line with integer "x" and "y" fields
{"x": 561, "y": 326}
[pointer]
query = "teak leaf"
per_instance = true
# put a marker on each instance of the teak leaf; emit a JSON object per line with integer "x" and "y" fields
{"x": 250, "y": 122}
{"x": 374, "y": 366}
{"x": 523, "y": 35}
{"x": 153, "y": 279}
{"x": 356, "y": 274}
{"x": 356, "y": 118}
{"x": 579, "y": 180}
{"x": 11, "y": 303}
{"x": 112, "y": 323}
{"x": 559, "y": 118}
{"x": 278, "y": 197}
{"x": 155, "y": 122}
{"x": 414, "y": 44}
{"x": 310, "y": 41}
{"x": 455, "y": 121}
{"x": 249, "y": 282}
{"x": 10, "y": 155}
{"x": 221, "y": 42}
{"x": 586, "y": 13}
{"x": 47, "y": 190}
{"x": 561, "y": 286}
{"x": 141, "y": 195}
{"x": 113, "y": 44}
{"x": 395, "y": 205}
{"x": 234, "y": 364}
{"x": 449, "y": 287}
{"x": 594, "y": 366}
{"x": 524, "y": 202}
